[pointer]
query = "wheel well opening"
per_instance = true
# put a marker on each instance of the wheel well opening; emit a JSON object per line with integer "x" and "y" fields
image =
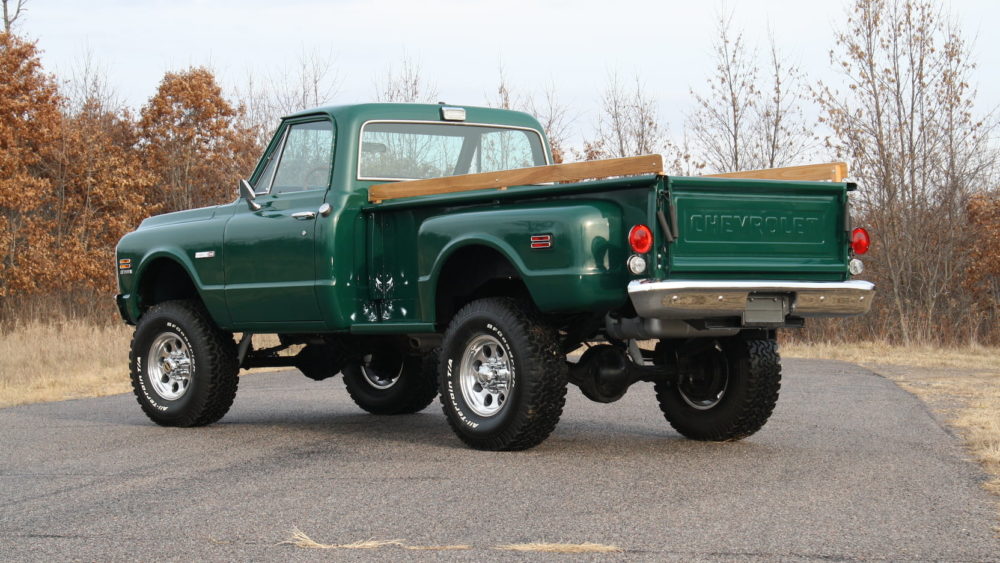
{"x": 165, "y": 280}
{"x": 471, "y": 273}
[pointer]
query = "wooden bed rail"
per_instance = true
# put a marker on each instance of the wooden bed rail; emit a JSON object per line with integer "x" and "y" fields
{"x": 577, "y": 171}
{"x": 572, "y": 172}
{"x": 831, "y": 171}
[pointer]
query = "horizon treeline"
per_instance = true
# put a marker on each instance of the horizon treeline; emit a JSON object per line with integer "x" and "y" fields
{"x": 78, "y": 168}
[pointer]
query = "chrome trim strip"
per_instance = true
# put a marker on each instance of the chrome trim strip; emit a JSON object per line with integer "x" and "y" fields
{"x": 758, "y": 285}
{"x": 275, "y": 154}
{"x": 707, "y": 299}
{"x": 361, "y": 133}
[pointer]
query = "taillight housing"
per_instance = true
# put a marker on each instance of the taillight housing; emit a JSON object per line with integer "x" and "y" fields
{"x": 860, "y": 241}
{"x": 640, "y": 238}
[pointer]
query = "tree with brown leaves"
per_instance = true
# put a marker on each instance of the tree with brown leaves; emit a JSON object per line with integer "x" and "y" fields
{"x": 29, "y": 128}
{"x": 982, "y": 280}
{"x": 100, "y": 187}
{"x": 193, "y": 141}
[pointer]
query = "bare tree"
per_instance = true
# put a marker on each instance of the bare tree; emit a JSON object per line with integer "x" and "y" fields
{"x": 505, "y": 98}
{"x": 88, "y": 86}
{"x": 722, "y": 124}
{"x": 263, "y": 100}
{"x": 553, "y": 115}
{"x": 744, "y": 121}
{"x": 628, "y": 124}
{"x": 555, "y": 119}
{"x": 11, "y": 13}
{"x": 406, "y": 85}
{"x": 907, "y": 124}
{"x": 312, "y": 82}
{"x": 259, "y": 111}
{"x": 682, "y": 161}
{"x": 780, "y": 135}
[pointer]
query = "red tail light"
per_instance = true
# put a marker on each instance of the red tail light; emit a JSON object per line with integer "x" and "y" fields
{"x": 640, "y": 238}
{"x": 860, "y": 241}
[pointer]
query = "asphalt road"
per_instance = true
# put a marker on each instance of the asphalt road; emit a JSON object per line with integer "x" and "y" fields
{"x": 849, "y": 467}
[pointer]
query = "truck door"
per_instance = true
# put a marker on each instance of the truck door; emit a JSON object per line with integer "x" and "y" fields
{"x": 269, "y": 254}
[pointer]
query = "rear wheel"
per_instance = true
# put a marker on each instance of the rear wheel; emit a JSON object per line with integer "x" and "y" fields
{"x": 184, "y": 370}
{"x": 388, "y": 381}
{"x": 502, "y": 376}
{"x": 725, "y": 389}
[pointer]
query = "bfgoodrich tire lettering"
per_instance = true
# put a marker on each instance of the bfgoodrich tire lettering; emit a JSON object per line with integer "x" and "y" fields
{"x": 528, "y": 376}
{"x": 725, "y": 406}
{"x": 181, "y": 337}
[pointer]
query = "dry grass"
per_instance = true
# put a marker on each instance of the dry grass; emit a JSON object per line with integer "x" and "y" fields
{"x": 562, "y": 547}
{"x": 67, "y": 360}
{"x": 300, "y": 539}
{"x": 974, "y": 357}
{"x": 963, "y": 384}
{"x": 71, "y": 360}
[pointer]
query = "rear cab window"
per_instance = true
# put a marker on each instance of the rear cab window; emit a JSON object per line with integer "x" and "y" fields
{"x": 402, "y": 150}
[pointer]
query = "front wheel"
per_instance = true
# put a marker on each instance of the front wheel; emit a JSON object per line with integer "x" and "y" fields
{"x": 725, "y": 388}
{"x": 502, "y": 376}
{"x": 184, "y": 370}
{"x": 388, "y": 381}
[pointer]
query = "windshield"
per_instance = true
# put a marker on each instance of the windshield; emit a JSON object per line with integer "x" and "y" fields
{"x": 412, "y": 151}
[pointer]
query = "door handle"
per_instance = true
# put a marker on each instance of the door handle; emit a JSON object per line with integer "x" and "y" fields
{"x": 304, "y": 215}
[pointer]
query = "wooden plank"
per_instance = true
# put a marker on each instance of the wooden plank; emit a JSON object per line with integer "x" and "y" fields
{"x": 572, "y": 172}
{"x": 833, "y": 172}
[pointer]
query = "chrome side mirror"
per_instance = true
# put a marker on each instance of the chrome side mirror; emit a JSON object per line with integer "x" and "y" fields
{"x": 247, "y": 193}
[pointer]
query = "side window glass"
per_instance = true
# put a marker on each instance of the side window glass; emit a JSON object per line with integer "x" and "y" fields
{"x": 306, "y": 158}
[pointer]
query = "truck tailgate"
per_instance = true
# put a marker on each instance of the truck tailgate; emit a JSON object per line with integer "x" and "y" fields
{"x": 757, "y": 228}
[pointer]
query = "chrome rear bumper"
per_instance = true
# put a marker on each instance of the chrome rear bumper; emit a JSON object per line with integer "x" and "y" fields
{"x": 690, "y": 300}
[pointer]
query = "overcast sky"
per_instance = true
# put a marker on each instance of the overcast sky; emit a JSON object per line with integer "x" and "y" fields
{"x": 458, "y": 44}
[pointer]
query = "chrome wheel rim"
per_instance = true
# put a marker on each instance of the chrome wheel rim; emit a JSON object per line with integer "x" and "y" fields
{"x": 377, "y": 378}
{"x": 169, "y": 365}
{"x": 486, "y": 376}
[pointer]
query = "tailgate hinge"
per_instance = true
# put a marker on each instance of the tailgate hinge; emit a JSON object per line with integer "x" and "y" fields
{"x": 669, "y": 228}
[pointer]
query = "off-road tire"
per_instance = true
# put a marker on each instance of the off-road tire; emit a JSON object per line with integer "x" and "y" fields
{"x": 214, "y": 368}
{"x": 754, "y": 378}
{"x": 539, "y": 375}
{"x": 415, "y": 388}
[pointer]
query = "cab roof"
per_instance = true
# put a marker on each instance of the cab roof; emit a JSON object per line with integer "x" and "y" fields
{"x": 351, "y": 117}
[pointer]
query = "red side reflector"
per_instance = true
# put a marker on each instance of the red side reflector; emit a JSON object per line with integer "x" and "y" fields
{"x": 860, "y": 241}
{"x": 640, "y": 238}
{"x": 541, "y": 241}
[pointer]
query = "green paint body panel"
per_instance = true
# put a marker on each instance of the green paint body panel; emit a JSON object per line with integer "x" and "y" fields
{"x": 759, "y": 229}
{"x": 584, "y": 269}
{"x": 376, "y": 269}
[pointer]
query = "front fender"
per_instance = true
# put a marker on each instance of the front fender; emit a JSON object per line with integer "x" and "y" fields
{"x": 214, "y": 301}
{"x": 192, "y": 240}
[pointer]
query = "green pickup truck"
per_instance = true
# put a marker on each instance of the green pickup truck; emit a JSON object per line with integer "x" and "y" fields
{"x": 425, "y": 250}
